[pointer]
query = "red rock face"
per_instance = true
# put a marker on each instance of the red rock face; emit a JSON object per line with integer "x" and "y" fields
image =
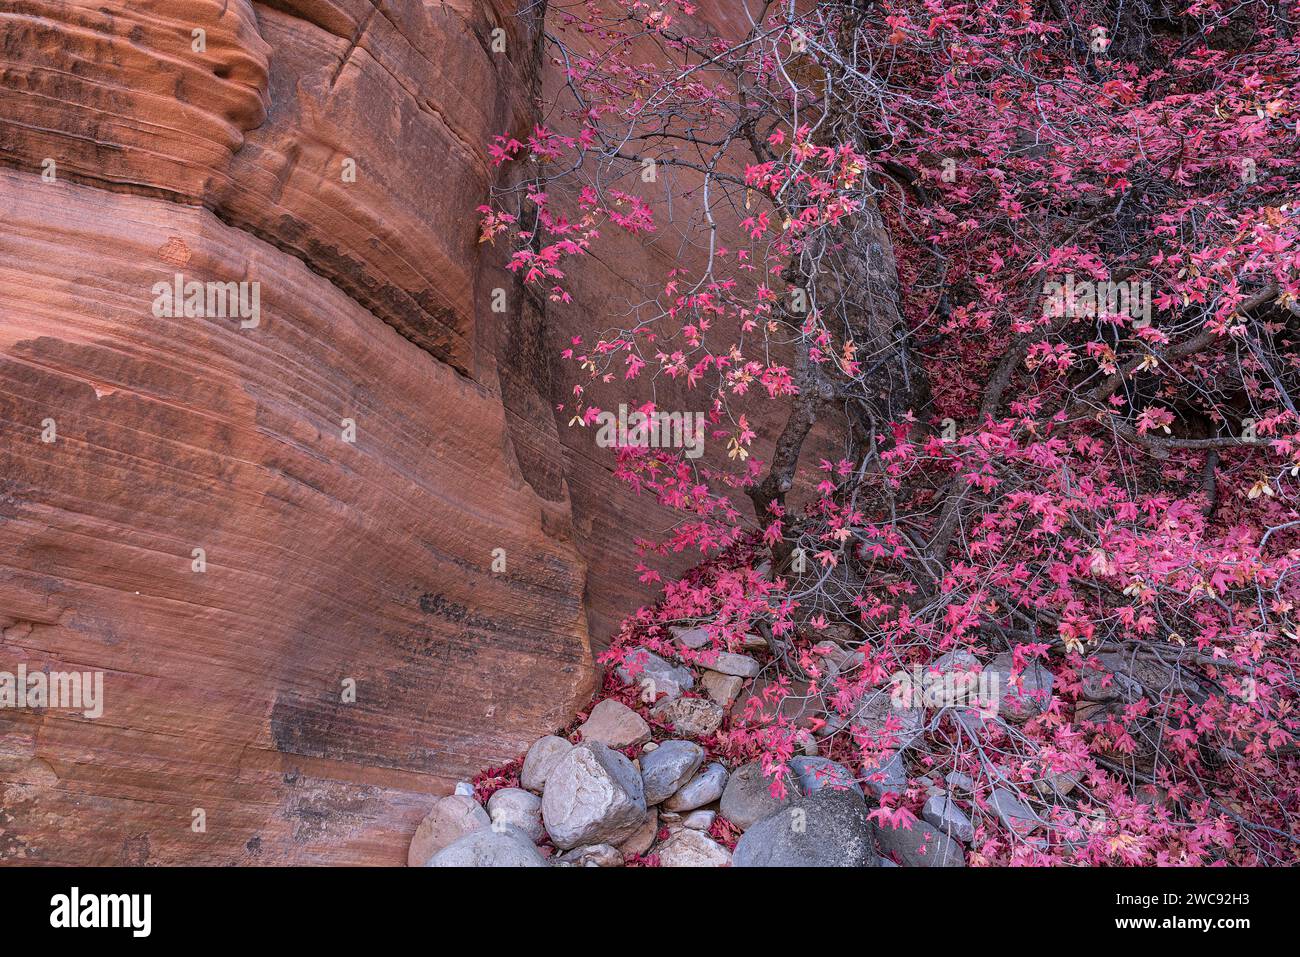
{"x": 134, "y": 147}
{"x": 327, "y": 562}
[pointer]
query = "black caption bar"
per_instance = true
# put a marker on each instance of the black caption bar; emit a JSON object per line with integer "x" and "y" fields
{"x": 298, "y": 906}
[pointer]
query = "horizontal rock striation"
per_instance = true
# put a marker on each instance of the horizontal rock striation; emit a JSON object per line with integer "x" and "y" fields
{"x": 347, "y": 642}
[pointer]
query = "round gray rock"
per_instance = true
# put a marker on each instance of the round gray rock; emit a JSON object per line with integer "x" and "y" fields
{"x": 924, "y": 845}
{"x": 700, "y": 820}
{"x": 668, "y": 767}
{"x": 817, "y": 773}
{"x": 824, "y": 829}
{"x": 691, "y": 637}
{"x": 705, "y": 788}
{"x": 748, "y": 796}
{"x": 507, "y": 847}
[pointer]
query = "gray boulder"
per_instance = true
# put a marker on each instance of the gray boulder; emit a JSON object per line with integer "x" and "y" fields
{"x": 942, "y": 812}
{"x": 1014, "y": 814}
{"x": 593, "y": 796}
{"x": 668, "y": 767}
{"x": 705, "y": 788}
{"x": 824, "y": 829}
{"x": 959, "y": 781}
{"x": 923, "y": 845}
{"x": 889, "y": 777}
{"x": 1018, "y": 705}
{"x": 541, "y": 758}
{"x": 877, "y": 707}
{"x": 657, "y": 676}
{"x": 748, "y": 796}
{"x": 817, "y": 773}
{"x": 506, "y": 847}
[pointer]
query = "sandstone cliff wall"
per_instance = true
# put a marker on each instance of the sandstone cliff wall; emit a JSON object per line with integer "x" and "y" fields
{"x": 326, "y": 560}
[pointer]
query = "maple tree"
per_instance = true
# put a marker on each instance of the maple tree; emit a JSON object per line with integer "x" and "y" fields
{"x": 1034, "y": 268}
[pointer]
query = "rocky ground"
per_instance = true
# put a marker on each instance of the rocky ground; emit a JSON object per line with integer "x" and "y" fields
{"x": 640, "y": 780}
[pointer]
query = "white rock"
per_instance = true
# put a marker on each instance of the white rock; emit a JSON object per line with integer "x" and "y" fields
{"x": 544, "y": 755}
{"x": 593, "y": 796}
{"x": 519, "y": 808}
{"x": 688, "y": 848}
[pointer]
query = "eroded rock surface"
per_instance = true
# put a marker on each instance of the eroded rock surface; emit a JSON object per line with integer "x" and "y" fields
{"x": 348, "y": 464}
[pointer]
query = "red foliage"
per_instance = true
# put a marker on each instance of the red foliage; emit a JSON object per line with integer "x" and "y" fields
{"x": 1095, "y": 251}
